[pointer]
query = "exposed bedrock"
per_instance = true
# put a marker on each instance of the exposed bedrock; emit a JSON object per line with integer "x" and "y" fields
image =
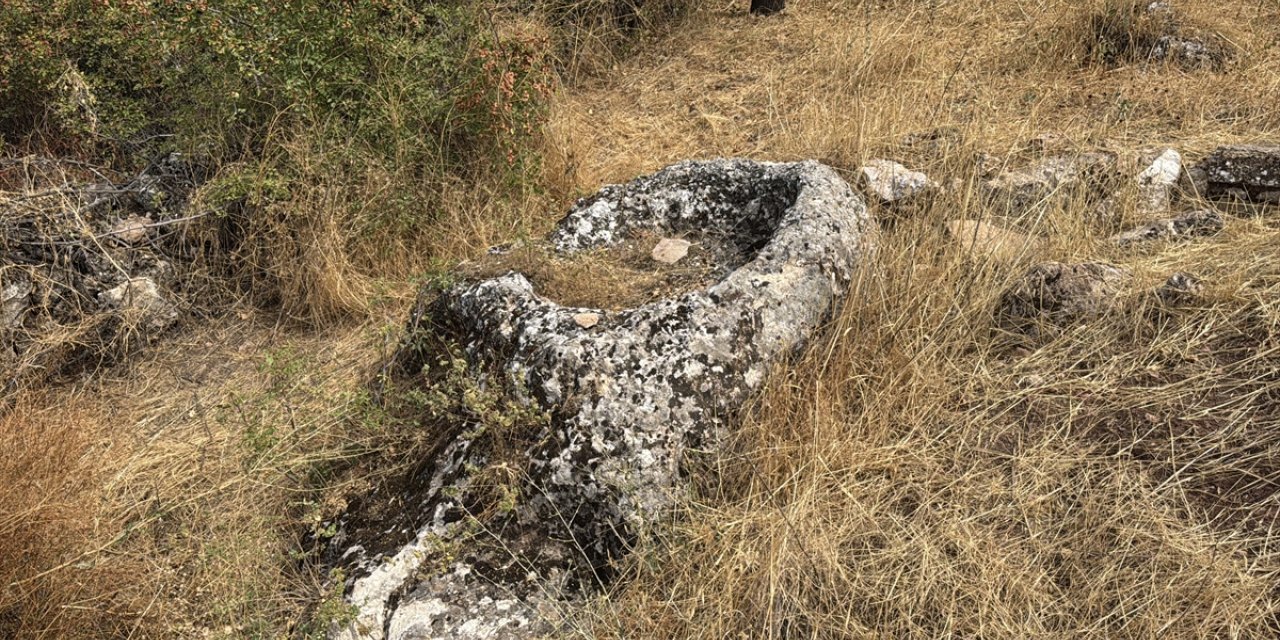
{"x": 630, "y": 394}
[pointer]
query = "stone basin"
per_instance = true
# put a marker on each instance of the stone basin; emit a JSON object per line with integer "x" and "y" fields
{"x": 630, "y": 395}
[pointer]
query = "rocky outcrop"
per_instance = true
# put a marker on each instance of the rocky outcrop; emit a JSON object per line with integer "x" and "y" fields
{"x": 631, "y": 393}
{"x": 1202, "y": 222}
{"x": 1054, "y": 294}
{"x": 1240, "y": 172}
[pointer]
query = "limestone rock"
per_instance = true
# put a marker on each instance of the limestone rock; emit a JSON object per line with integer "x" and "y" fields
{"x": 14, "y": 300}
{"x": 892, "y": 182}
{"x": 627, "y": 399}
{"x": 586, "y": 320}
{"x": 670, "y": 250}
{"x": 141, "y": 296}
{"x": 1202, "y": 222}
{"x": 131, "y": 230}
{"x": 1156, "y": 183}
{"x": 993, "y": 241}
{"x": 1241, "y": 171}
{"x": 1025, "y": 188}
{"x": 1054, "y": 294}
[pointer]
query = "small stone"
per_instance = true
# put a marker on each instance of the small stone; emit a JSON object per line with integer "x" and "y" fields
{"x": 143, "y": 296}
{"x": 1181, "y": 288}
{"x": 586, "y": 320}
{"x": 993, "y": 241}
{"x": 1156, "y": 182}
{"x": 1202, "y": 222}
{"x": 131, "y": 230}
{"x": 14, "y": 299}
{"x": 892, "y": 182}
{"x": 670, "y": 250}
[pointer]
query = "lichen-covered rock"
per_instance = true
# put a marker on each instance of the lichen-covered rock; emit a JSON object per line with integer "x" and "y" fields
{"x": 1179, "y": 289}
{"x": 1240, "y": 171}
{"x": 630, "y": 395}
{"x": 1202, "y": 222}
{"x": 1054, "y": 294}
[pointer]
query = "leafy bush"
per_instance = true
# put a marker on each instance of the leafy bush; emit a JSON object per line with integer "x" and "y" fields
{"x": 332, "y": 124}
{"x": 226, "y": 71}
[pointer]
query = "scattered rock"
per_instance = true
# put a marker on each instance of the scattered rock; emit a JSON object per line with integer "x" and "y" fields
{"x": 1244, "y": 172}
{"x": 1191, "y": 52}
{"x": 14, "y": 300}
{"x": 1202, "y": 222}
{"x": 629, "y": 398}
{"x": 142, "y": 296}
{"x": 1157, "y": 181}
{"x": 1181, "y": 288}
{"x": 993, "y": 241}
{"x": 892, "y": 182}
{"x": 1025, "y": 188}
{"x": 1153, "y": 33}
{"x": 131, "y": 230}
{"x": 1057, "y": 294}
{"x": 586, "y": 320}
{"x": 670, "y": 250}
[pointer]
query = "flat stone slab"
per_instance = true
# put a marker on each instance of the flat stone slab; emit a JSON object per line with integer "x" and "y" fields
{"x": 1199, "y": 223}
{"x": 1244, "y": 172}
{"x": 670, "y": 250}
{"x": 630, "y": 395}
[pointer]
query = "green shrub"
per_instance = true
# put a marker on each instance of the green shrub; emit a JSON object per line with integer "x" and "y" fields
{"x": 221, "y": 73}
{"x": 332, "y": 126}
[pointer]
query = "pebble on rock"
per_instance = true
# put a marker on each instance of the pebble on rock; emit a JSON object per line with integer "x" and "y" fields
{"x": 670, "y": 250}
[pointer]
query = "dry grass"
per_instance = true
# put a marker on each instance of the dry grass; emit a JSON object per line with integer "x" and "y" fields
{"x": 914, "y": 474}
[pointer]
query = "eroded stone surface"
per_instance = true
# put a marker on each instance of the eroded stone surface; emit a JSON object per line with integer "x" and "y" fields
{"x": 1156, "y": 183}
{"x": 1058, "y": 294}
{"x": 629, "y": 397}
{"x": 1240, "y": 171}
{"x": 1202, "y": 222}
